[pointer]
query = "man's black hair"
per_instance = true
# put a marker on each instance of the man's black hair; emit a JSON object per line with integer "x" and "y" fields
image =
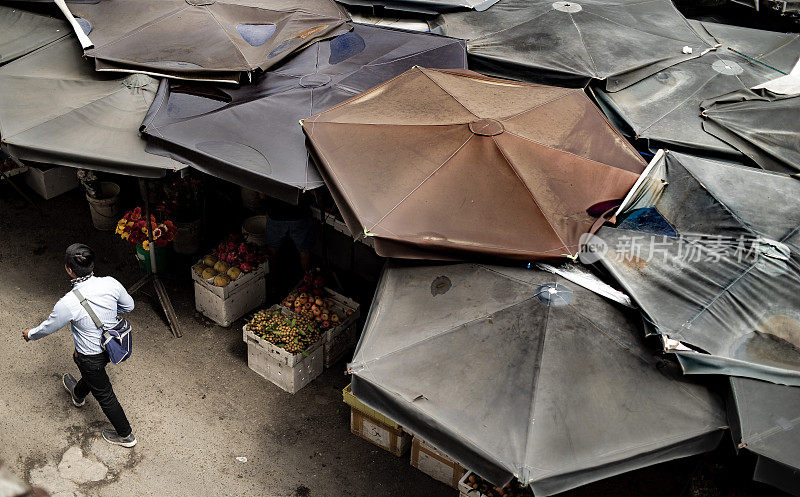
{"x": 80, "y": 258}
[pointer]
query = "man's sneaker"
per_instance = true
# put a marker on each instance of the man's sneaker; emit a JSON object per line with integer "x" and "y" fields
{"x": 69, "y": 383}
{"x": 111, "y": 437}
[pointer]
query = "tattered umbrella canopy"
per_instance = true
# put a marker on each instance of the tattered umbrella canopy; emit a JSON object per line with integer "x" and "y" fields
{"x": 209, "y": 40}
{"x": 54, "y": 108}
{"x": 442, "y": 164}
{"x": 22, "y": 32}
{"x": 711, "y": 253}
{"x": 664, "y": 109}
{"x": 251, "y": 135}
{"x": 765, "y": 419}
{"x": 516, "y": 372}
{"x": 424, "y": 6}
{"x": 571, "y": 43}
{"x": 760, "y": 124}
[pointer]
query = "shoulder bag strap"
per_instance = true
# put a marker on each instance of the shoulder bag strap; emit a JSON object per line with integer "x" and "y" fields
{"x": 85, "y": 304}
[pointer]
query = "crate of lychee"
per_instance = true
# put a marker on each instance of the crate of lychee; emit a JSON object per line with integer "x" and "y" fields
{"x": 472, "y": 485}
{"x": 229, "y": 282}
{"x": 336, "y": 315}
{"x": 284, "y": 348}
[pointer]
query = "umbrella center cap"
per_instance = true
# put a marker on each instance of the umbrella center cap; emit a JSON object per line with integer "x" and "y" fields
{"x": 570, "y": 7}
{"x": 728, "y": 67}
{"x": 486, "y": 127}
{"x": 314, "y": 80}
{"x": 200, "y": 2}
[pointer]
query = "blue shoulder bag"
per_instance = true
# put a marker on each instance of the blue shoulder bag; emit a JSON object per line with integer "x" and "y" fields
{"x": 118, "y": 340}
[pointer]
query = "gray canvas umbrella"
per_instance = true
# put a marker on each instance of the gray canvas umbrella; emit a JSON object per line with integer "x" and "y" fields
{"x": 22, "y": 32}
{"x": 765, "y": 420}
{"x": 664, "y": 109}
{"x": 711, "y": 254}
{"x": 424, "y": 6}
{"x": 571, "y": 43}
{"x": 54, "y": 108}
{"x": 760, "y": 124}
{"x": 516, "y": 372}
{"x": 209, "y": 40}
{"x": 251, "y": 135}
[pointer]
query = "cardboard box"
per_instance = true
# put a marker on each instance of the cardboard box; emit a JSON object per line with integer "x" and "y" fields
{"x": 434, "y": 463}
{"x": 53, "y": 181}
{"x": 374, "y": 427}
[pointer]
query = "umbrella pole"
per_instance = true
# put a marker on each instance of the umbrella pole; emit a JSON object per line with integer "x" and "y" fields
{"x": 161, "y": 291}
{"x": 17, "y": 189}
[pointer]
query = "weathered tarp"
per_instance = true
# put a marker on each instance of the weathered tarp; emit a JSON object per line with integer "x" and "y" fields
{"x": 570, "y": 43}
{"x": 424, "y": 6}
{"x": 251, "y": 135}
{"x": 765, "y": 419}
{"x": 664, "y": 109}
{"x": 453, "y": 164}
{"x": 711, "y": 253}
{"x": 55, "y": 108}
{"x": 516, "y": 372}
{"x": 22, "y": 32}
{"x": 761, "y": 125}
{"x": 200, "y": 39}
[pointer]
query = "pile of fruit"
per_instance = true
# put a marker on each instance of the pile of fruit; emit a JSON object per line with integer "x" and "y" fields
{"x": 292, "y": 333}
{"x": 480, "y": 486}
{"x": 318, "y": 308}
{"x": 230, "y": 260}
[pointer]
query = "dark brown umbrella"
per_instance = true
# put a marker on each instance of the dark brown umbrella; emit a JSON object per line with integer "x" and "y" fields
{"x": 209, "y": 40}
{"x": 445, "y": 163}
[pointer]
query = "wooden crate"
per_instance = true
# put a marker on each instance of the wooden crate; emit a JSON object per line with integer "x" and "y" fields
{"x": 225, "y": 305}
{"x": 374, "y": 427}
{"x": 434, "y": 463}
{"x": 51, "y": 182}
{"x": 290, "y": 372}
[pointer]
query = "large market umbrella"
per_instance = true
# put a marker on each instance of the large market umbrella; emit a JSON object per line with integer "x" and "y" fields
{"x": 22, "y": 32}
{"x": 423, "y": 6}
{"x": 516, "y": 372}
{"x": 664, "y": 109}
{"x": 54, "y": 108}
{"x": 210, "y": 40}
{"x": 571, "y": 43}
{"x": 711, "y": 253}
{"x": 251, "y": 136}
{"x": 760, "y": 124}
{"x": 765, "y": 419}
{"x": 439, "y": 164}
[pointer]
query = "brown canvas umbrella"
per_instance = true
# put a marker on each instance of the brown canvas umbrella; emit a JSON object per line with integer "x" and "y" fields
{"x": 441, "y": 164}
{"x": 209, "y": 40}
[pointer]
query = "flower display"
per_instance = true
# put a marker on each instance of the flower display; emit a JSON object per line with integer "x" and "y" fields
{"x": 133, "y": 228}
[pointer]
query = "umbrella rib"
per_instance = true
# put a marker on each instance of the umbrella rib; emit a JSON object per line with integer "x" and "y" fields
{"x": 567, "y": 152}
{"x": 639, "y": 132}
{"x": 124, "y": 88}
{"x": 238, "y": 50}
{"x": 580, "y": 35}
{"x": 554, "y": 99}
{"x": 422, "y": 183}
{"x": 641, "y": 30}
{"x": 445, "y": 332}
{"x": 534, "y": 387}
{"x": 530, "y": 192}
{"x": 495, "y": 33}
{"x": 451, "y": 95}
{"x": 140, "y": 27}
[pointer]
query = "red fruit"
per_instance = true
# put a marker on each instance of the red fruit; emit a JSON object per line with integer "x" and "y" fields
{"x": 326, "y": 324}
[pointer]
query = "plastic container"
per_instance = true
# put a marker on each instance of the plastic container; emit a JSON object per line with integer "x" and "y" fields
{"x": 105, "y": 207}
{"x": 143, "y": 257}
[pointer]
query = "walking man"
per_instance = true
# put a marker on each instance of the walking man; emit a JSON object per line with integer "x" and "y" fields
{"x": 108, "y": 298}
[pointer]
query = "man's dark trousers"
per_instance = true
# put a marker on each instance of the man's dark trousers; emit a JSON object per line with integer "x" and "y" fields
{"x": 94, "y": 380}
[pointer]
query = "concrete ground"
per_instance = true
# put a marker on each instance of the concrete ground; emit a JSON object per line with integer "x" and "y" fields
{"x": 194, "y": 404}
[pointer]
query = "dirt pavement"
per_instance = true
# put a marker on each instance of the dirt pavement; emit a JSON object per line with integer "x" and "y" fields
{"x": 194, "y": 404}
